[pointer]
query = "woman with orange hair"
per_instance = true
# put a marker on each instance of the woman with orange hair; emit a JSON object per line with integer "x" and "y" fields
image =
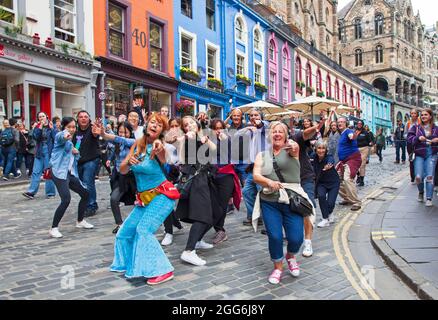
{"x": 137, "y": 252}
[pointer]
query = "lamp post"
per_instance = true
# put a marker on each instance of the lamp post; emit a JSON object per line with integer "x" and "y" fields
{"x": 95, "y": 74}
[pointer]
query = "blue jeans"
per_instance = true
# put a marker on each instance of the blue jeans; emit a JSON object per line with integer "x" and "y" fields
{"x": 87, "y": 174}
{"x": 27, "y": 158}
{"x": 327, "y": 198}
{"x": 277, "y": 216}
{"x": 309, "y": 187}
{"x": 9, "y": 156}
{"x": 400, "y": 145}
{"x": 250, "y": 191}
{"x": 425, "y": 169}
{"x": 39, "y": 165}
{"x": 241, "y": 172}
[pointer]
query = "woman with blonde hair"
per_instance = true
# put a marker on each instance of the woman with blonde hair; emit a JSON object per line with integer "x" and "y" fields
{"x": 277, "y": 170}
{"x": 137, "y": 252}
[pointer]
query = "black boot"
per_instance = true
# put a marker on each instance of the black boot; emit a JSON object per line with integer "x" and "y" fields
{"x": 361, "y": 182}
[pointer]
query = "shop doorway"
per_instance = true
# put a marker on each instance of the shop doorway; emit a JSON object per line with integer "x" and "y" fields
{"x": 40, "y": 100}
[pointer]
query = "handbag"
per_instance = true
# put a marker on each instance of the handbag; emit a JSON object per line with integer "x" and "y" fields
{"x": 185, "y": 184}
{"x": 297, "y": 203}
{"x": 47, "y": 174}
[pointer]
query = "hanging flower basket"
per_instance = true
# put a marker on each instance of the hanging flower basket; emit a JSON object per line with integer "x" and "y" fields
{"x": 260, "y": 87}
{"x": 185, "y": 107}
{"x": 320, "y": 94}
{"x": 243, "y": 80}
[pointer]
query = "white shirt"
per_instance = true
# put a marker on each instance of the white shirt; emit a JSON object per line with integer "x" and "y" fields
{"x": 138, "y": 133}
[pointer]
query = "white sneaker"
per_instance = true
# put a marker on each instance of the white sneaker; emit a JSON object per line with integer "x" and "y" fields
{"x": 293, "y": 266}
{"x": 308, "y": 251}
{"x": 324, "y": 223}
{"x": 54, "y": 233}
{"x": 168, "y": 240}
{"x": 192, "y": 258}
{"x": 18, "y": 172}
{"x": 420, "y": 197}
{"x": 84, "y": 225}
{"x": 202, "y": 245}
{"x": 332, "y": 218}
{"x": 429, "y": 203}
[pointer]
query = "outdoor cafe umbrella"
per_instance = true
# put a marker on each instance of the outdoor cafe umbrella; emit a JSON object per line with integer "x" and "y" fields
{"x": 283, "y": 115}
{"x": 263, "y": 106}
{"x": 341, "y": 109}
{"x": 312, "y": 104}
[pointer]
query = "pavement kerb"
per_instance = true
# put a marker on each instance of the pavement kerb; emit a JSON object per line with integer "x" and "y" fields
{"x": 14, "y": 184}
{"x": 414, "y": 280}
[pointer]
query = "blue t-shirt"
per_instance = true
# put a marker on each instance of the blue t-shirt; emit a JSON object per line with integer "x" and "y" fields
{"x": 347, "y": 147}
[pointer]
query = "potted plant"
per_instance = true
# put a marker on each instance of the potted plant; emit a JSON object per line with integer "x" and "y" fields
{"x": 320, "y": 94}
{"x": 300, "y": 86}
{"x": 310, "y": 90}
{"x": 260, "y": 89}
{"x": 215, "y": 83}
{"x": 185, "y": 107}
{"x": 243, "y": 80}
{"x": 189, "y": 74}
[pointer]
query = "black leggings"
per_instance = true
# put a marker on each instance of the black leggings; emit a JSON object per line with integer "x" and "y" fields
{"x": 63, "y": 187}
{"x": 170, "y": 222}
{"x": 225, "y": 189}
{"x": 197, "y": 232}
{"x": 116, "y": 195}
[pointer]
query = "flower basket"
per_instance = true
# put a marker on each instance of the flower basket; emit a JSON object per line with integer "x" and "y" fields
{"x": 215, "y": 84}
{"x": 320, "y": 94}
{"x": 309, "y": 91}
{"x": 190, "y": 75}
{"x": 243, "y": 80}
{"x": 260, "y": 87}
{"x": 185, "y": 107}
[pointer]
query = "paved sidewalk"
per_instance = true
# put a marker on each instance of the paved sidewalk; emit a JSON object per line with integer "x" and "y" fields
{"x": 407, "y": 238}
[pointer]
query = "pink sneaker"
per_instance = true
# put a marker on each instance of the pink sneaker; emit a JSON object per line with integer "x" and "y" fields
{"x": 160, "y": 279}
{"x": 275, "y": 276}
{"x": 294, "y": 268}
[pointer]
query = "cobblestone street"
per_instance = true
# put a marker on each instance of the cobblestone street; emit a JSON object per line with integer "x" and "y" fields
{"x": 33, "y": 266}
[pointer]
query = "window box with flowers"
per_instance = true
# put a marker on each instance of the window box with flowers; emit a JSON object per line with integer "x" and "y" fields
{"x": 260, "y": 89}
{"x": 185, "y": 108}
{"x": 300, "y": 86}
{"x": 242, "y": 83}
{"x": 320, "y": 94}
{"x": 215, "y": 84}
{"x": 189, "y": 74}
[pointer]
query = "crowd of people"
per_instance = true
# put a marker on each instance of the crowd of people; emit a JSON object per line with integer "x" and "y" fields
{"x": 196, "y": 170}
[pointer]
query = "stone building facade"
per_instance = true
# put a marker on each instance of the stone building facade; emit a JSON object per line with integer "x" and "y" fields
{"x": 381, "y": 41}
{"x": 431, "y": 66}
{"x": 314, "y": 20}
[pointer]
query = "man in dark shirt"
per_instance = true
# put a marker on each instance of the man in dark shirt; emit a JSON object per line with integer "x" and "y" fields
{"x": 400, "y": 142}
{"x": 87, "y": 142}
{"x": 364, "y": 141}
{"x": 307, "y": 178}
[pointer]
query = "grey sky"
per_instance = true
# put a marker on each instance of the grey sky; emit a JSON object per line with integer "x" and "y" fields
{"x": 428, "y": 10}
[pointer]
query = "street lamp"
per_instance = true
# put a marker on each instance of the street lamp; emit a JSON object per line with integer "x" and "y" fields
{"x": 94, "y": 75}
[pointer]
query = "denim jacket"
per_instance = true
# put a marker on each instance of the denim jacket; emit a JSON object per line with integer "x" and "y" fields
{"x": 419, "y": 147}
{"x": 38, "y": 136}
{"x": 125, "y": 147}
{"x": 62, "y": 156}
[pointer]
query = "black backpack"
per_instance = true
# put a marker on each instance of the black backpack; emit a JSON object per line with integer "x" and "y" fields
{"x": 7, "y": 138}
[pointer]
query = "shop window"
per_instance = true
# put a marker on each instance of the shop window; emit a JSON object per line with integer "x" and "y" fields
{"x": 159, "y": 99}
{"x": 240, "y": 66}
{"x": 258, "y": 73}
{"x": 65, "y": 20}
{"x": 117, "y": 36}
{"x": 186, "y": 8}
{"x": 214, "y": 112}
{"x": 118, "y": 97}
{"x": 211, "y": 63}
{"x": 186, "y": 52}
{"x": 9, "y": 8}
{"x": 156, "y": 46}
{"x": 210, "y": 12}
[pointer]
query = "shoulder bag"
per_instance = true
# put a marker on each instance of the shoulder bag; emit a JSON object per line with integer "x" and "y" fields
{"x": 297, "y": 202}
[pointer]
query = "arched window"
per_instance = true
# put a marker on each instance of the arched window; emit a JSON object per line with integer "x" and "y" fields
{"x": 358, "y": 57}
{"x": 308, "y": 75}
{"x": 428, "y": 61}
{"x": 341, "y": 35}
{"x": 327, "y": 15}
{"x": 272, "y": 51}
{"x": 378, "y": 24}
{"x": 298, "y": 70}
{"x": 318, "y": 80}
{"x": 328, "y": 89}
{"x": 337, "y": 90}
{"x": 358, "y": 100}
{"x": 239, "y": 29}
{"x": 257, "y": 40}
{"x": 358, "y": 28}
{"x": 351, "y": 97}
{"x": 379, "y": 54}
{"x": 340, "y": 59}
{"x": 285, "y": 57}
{"x": 344, "y": 94}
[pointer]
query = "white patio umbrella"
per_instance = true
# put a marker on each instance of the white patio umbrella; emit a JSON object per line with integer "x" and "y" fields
{"x": 312, "y": 104}
{"x": 283, "y": 115}
{"x": 344, "y": 109}
{"x": 263, "y": 106}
